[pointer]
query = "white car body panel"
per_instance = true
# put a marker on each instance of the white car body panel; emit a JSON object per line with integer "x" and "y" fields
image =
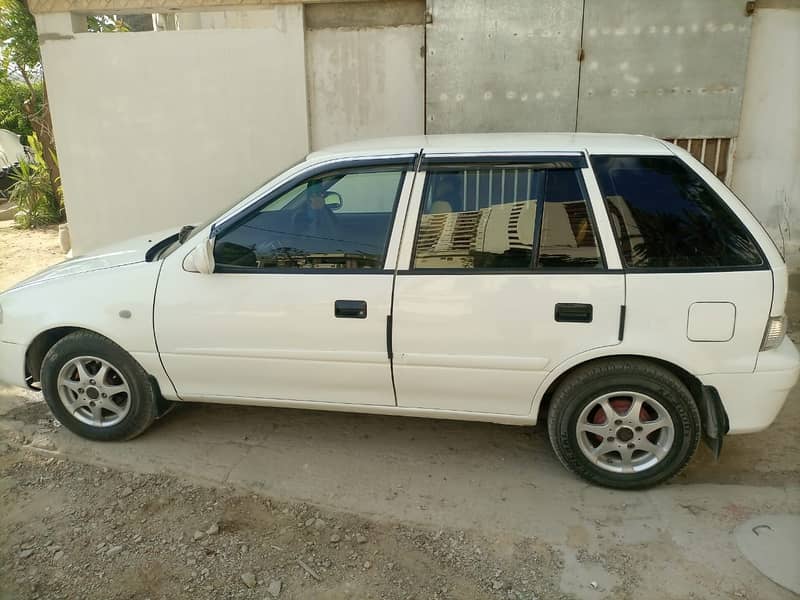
{"x": 471, "y": 346}
{"x": 273, "y": 336}
{"x": 493, "y": 336}
{"x": 89, "y": 300}
{"x": 115, "y": 255}
{"x": 648, "y": 312}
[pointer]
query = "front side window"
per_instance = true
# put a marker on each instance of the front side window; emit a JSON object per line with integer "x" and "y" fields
{"x": 337, "y": 220}
{"x": 665, "y": 216}
{"x": 499, "y": 218}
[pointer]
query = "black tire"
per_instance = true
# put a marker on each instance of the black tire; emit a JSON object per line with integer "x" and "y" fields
{"x": 143, "y": 392}
{"x": 607, "y": 376}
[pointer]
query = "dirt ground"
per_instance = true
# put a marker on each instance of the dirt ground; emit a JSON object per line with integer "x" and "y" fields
{"x": 26, "y": 252}
{"x": 217, "y": 502}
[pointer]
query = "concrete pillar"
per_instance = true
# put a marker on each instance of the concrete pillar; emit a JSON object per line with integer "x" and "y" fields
{"x": 59, "y": 25}
{"x": 766, "y": 165}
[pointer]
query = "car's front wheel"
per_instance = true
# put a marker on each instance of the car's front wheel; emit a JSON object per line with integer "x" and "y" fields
{"x": 624, "y": 423}
{"x": 96, "y": 389}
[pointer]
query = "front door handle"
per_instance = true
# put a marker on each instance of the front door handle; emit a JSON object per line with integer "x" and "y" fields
{"x": 570, "y": 312}
{"x": 350, "y": 309}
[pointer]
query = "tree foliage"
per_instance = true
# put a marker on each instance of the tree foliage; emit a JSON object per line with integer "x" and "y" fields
{"x": 20, "y": 53}
{"x": 13, "y": 95}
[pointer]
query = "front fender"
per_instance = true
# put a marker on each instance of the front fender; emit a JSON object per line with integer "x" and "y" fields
{"x": 114, "y": 302}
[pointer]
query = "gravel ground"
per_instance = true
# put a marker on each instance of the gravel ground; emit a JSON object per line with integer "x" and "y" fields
{"x": 75, "y": 531}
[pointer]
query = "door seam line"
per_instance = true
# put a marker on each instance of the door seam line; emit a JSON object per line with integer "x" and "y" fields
{"x": 390, "y": 316}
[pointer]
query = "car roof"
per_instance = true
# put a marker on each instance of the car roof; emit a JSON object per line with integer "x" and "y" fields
{"x": 489, "y": 143}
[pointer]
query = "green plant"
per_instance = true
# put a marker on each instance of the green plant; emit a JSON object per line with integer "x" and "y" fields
{"x": 13, "y": 95}
{"x": 32, "y": 190}
{"x": 21, "y": 63}
{"x": 106, "y": 23}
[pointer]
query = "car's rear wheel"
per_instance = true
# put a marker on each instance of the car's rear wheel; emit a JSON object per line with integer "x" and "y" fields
{"x": 624, "y": 423}
{"x": 96, "y": 389}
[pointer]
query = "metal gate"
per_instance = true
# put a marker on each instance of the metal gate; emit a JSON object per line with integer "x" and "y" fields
{"x": 670, "y": 69}
{"x": 502, "y": 65}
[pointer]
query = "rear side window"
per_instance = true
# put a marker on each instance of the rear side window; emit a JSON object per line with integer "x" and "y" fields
{"x": 496, "y": 218}
{"x": 665, "y": 216}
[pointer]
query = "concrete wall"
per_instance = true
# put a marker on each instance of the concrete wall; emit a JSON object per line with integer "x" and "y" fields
{"x": 365, "y": 83}
{"x": 365, "y": 70}
{"x": 156, "y": 129}
{"x": 766, "y": 167}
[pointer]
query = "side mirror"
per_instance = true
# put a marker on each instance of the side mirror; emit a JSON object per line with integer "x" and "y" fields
{"x": 333, "y": 200}
{"x": 201, "y": 259}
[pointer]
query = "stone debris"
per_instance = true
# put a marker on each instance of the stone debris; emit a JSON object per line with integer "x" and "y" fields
{"x": 188, "y": 541}
{"x": 249, "y": 579}
{"x": 42, "y": 442}
{"x": 308, "y": 570}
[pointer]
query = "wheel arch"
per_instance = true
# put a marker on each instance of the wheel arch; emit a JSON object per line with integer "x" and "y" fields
{"x": 44, "y": 340}
{"x": 40, "y": 346}
{"x": 691, "y": 381}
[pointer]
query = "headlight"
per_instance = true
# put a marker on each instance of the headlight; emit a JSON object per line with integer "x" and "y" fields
{"x": 773, "y": 334}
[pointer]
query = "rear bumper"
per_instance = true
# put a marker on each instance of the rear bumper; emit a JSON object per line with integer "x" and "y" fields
{"x": 753, "y": 400}
{"x": 12, "y": 364}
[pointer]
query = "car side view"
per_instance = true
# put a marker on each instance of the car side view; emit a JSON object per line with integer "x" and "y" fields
{"x": 606, "y": 285}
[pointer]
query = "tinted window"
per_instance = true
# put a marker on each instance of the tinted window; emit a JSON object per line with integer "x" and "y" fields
{"x": 664, "y": 215}
{"x": 567, "y": 238}
{"x": 485, "y": 218}
{"x": 336, "y": 221}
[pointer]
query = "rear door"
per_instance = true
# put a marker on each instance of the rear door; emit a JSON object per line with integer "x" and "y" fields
{"x": 501, "y": 277}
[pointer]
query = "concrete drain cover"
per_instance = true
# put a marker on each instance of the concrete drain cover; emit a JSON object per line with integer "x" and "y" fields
{"x": 772, "y": 544}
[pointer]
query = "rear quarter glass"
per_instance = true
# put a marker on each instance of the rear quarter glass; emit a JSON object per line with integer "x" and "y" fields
{"x": 666, "y": 216}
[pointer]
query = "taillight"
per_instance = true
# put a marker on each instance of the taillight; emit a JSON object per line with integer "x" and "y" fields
{"x": 774, "y": 333}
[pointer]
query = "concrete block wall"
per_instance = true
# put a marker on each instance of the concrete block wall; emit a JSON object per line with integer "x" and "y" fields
{"x": 156, "y": 129}
{"x": 766, "y": 166}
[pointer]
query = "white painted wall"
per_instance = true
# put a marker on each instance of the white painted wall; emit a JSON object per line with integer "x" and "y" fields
{"x": 766, "y": 166}
{"x": 156, "y": 129}
{"x": 365, "y": 83}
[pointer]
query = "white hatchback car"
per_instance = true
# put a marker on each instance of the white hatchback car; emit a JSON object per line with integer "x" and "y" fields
{"x": 608, "y": 284}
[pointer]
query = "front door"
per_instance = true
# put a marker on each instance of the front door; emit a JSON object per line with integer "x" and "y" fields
{"x": 505, "y": 280}
{"x": 297, "y": 306}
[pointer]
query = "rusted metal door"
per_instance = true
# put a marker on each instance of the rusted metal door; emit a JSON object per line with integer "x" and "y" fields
{"x": 504, "y": 65}
{"x": 670, "y": 69}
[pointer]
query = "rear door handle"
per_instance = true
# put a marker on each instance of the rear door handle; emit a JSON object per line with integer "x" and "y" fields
{"x": 570, "y": 312}
{"x": 350, "y": 309}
